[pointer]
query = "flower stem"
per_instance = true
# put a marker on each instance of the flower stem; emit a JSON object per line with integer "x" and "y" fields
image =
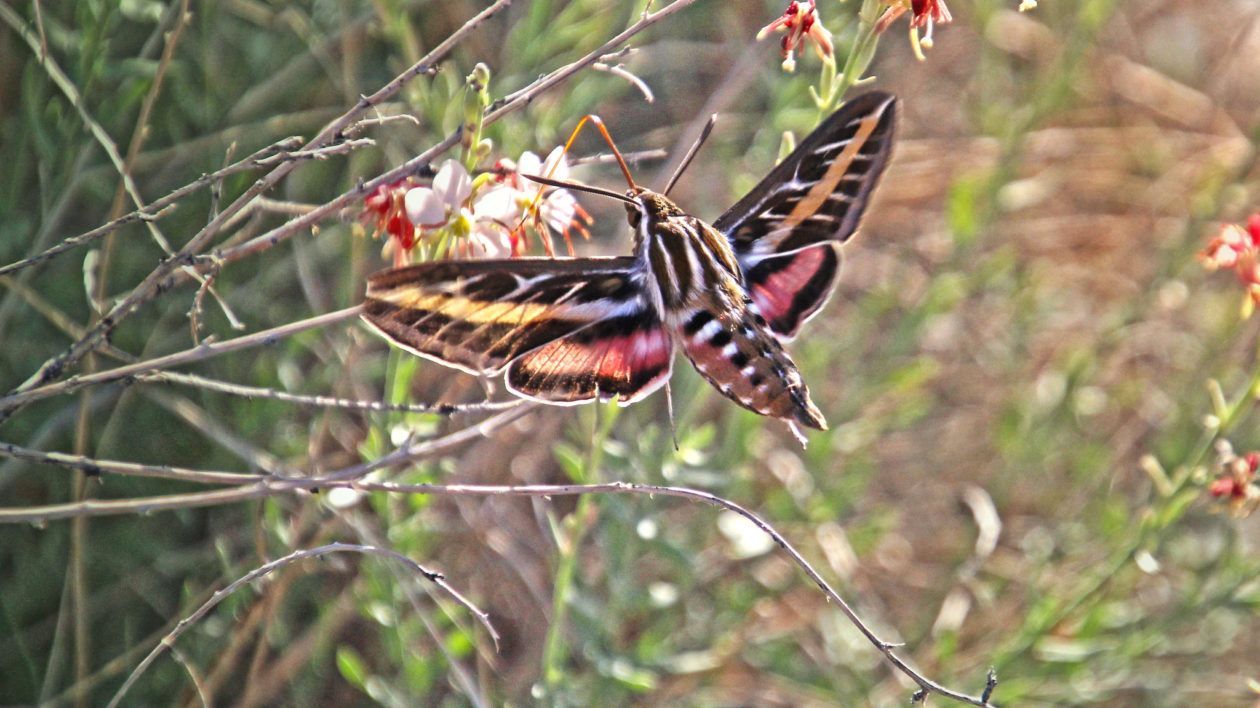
{"x": 476, "y": 98}
{"x": 833, "y": 86}
{"x": 569, "y": 535}
{"x": 1167, "y": 510}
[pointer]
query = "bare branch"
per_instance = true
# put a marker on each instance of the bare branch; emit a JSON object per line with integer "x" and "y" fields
{"x": 197, "y": 353}
{"x": 630, "y": 157}
{"x": 92, "y": 466}
{"x": 321, "y": 153}
{"x": 184, "y": 624}
{"x": 623, "y": 72}
{"x": 322, "y": 401}
{"x": 265, "y": 487}
{"x": 55, "y": 367}
{"x": 155, "y": 210}
{"x": 499, "y": 109}
{"x": 351, "y": 478}
{"x": 888, "y": 649}
{"x": 383, "y": 120}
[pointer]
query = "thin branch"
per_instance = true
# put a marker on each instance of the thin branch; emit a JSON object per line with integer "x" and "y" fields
{"x": 184, "y": 624}
{"x": 383, "y": 120}
{"x": 265, "y": 487}
{"x": 606, "y": 158}
{"x": 320, "y": 153}
{"x": 499, "y": 109}
{"x": 322, "y": 401}
{"x": 56, "y": 366}
{"x": 351, "y": 478}
{"x": 623, "y": 72}
{"x": 522, "y": 97}
{"x": 888, "y": 649}
{"x": 93, "y": 466}
{"x": 197, "y": 353}
{"x": 155, "y": 210}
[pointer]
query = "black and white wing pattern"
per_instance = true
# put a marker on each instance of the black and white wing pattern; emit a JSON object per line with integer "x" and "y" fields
{"x": 786, "y": 232}
{"x": 566, "y": 330}
{"x": 580, "y": 329}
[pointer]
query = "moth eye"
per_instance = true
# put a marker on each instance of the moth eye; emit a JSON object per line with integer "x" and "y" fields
{"x": 634, "y": 215}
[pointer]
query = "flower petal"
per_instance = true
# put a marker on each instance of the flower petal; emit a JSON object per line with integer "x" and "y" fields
{"x": 559, "y": 209}
{"x": 556, "y": 159}
{"x": 424, "y": 207}
{"x": 489, "y": 240}
{"x": 529, "y": 164}
{"x": 497, "y": 203}
{"x": 452, "y": 184}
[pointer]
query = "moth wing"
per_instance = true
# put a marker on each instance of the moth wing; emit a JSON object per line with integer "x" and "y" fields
{"x": 478, "y": 316}
{"x": 625, "y": 358}
{"x": 786, "y": 231}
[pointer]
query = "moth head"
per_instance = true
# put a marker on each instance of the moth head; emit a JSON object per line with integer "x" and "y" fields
{"x": 651, "y": 205}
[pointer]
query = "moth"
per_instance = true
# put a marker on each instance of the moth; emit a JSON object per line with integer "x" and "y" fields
{"x": 573, "y": 330}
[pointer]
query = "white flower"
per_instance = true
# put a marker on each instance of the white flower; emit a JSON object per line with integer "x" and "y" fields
{"x": 498, "y": 202}
{"x": 558, "y": 209}
{"x": 485, "y": 218}
{"x": 494, "y": 215}
{"x": 429, "y": 207}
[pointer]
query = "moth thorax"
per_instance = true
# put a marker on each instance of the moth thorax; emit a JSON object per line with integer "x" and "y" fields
{"x": 656, "y": 207}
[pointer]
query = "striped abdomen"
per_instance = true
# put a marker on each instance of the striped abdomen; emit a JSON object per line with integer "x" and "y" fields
{"x": 700, "y": 290}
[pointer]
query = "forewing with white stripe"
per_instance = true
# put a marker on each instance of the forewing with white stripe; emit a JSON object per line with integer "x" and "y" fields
{"x": 818, "y": 193}
{"x": 480, "y": 315}
{"x": 786, "y": 232}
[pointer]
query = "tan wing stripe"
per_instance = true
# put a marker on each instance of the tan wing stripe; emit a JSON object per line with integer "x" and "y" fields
{"x": 462, "y": 308}
{"x": 824, "y": 187}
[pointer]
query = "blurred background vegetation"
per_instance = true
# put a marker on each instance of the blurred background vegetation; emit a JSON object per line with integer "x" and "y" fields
{"x": 1016, "y": 366}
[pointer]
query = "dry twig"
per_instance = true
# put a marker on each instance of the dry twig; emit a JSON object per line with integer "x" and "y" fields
{"x": 200, "y": 612}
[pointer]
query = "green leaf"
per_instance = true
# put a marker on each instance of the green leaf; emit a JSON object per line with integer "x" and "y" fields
{"x": 352, "y": 667}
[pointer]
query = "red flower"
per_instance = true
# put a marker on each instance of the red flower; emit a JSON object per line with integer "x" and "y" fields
{"x": 1226, "y": 487}
{"x": 543, "y": 208}
{"x": 800, "y": 22}
{"x": 457, "y": 215}
{"x": 1237, "y": 483}
{"x": 923, "y": 13}
{"x": 384, "y": 210}
{"x": 1238, "y": 248}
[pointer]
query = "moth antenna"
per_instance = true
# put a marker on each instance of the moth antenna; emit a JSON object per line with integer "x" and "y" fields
{"x": 599, "y": 123}
{"x": 695, "y": 148}
{"x": 578, "y": 187}
{"x": 621, "y": 161}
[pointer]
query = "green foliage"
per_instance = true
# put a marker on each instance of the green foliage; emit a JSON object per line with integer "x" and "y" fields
{"x": 1022, "y": 316}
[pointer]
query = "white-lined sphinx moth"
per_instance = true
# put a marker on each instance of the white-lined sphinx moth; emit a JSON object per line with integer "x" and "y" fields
{"x": 571, "y": 330}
